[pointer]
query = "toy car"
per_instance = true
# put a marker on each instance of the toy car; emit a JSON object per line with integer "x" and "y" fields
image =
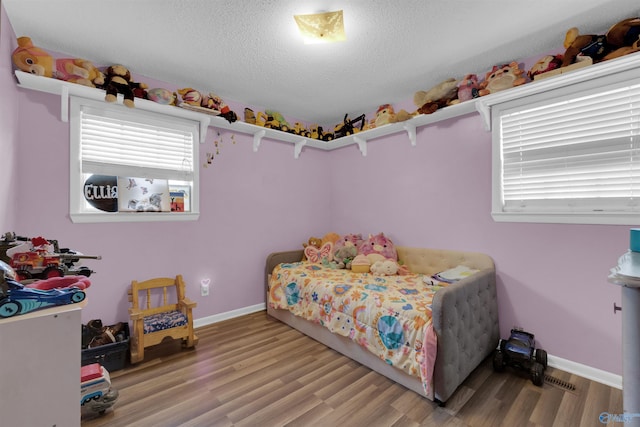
{"x": 19, "y": 299}
{"x": 519, "y": 351}
{"x": 96, "y": 393}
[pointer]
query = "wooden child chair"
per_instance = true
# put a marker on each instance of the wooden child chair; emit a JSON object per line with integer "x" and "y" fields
{"x": 159, "y": 309}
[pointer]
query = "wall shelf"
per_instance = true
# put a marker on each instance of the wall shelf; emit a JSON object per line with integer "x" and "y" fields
{"x": 481, "y": 105}
{"x": 66, "y": 89}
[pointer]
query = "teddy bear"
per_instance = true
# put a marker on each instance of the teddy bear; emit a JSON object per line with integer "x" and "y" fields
{"x": 502, "y": 77}
{"x": 592, "y": 45}
{"x": 316, "y": 242}
{"x": 623, "y": 38}
{"x": 384, "y": 268}
{"x": 344, "y": 255}
{"x": 624, "y": 33}
{"x": 118, "y": 80}
{"x": 34, "y": 60}
{"x": 439, "y": 96}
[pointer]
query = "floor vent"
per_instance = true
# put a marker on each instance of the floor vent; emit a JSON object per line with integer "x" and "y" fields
{"x": 557, "y": 382}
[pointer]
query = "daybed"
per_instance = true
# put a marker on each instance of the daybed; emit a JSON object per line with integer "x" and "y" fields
{"x": 464, "y": 317}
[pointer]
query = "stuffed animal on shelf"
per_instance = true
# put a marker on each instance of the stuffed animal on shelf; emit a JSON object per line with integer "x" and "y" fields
{"x": 544, "y": 65}
{"x": 385, "y": 115}
{"x": 439, "y": 96}
{"x": 502, "y": 77}
{"x": 592, "y": 45}
{"x": 118, "y": 80}
{"x": 162, "y": 96}
{"x": 249, "y": 116}
{"x": 403, "y": 115}
{"x": 378, "y": 244}
{"x": 213, "y": 101}
{"x": 191, "y": 97}
{"x": 624, "y": 33}
{"x": 623, "y": 38}
{"x": 468, "y": 87}
{"x": 34, "y": 60}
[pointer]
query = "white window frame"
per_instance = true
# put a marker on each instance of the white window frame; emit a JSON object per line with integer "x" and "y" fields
{"x": 600, "y": 214}
{"x": 77, "y": 204}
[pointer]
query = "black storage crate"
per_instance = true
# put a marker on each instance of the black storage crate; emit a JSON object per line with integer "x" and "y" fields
{"x": 112, "y": 356}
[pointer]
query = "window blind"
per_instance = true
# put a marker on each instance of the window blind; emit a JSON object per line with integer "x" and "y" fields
{"x": 113, "y": 144}
{"x": 577, "y": 154}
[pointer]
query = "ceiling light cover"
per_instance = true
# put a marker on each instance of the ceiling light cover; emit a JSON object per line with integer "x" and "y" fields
{"x": 323, "y": 27}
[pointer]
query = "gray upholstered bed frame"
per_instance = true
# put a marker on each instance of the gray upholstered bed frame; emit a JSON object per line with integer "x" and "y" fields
{"x": 464, "y": 315}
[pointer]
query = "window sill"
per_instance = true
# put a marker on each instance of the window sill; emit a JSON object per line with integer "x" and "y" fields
{"x": 591, "y": 218}
{"x": 83, "y": 218}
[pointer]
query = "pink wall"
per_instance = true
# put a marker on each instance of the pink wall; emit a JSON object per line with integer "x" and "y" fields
{"x": 246, "y": 212}
{"x": 552, "y": 278}
{"x": 8, "y": 126}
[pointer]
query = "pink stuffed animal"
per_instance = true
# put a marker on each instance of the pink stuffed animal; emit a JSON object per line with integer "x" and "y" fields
{"x": 348, "y": 240}
{"x": 468, "y": 87}
{"x": 379, "y": 244}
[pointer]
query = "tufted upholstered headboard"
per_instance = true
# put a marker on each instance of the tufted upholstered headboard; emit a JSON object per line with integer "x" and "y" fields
{"x": 432, "y": 261}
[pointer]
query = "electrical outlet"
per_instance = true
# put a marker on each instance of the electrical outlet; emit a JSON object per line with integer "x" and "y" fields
{"x": 204, "y": 287}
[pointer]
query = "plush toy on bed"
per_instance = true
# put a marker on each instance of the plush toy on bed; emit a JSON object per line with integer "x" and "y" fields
{"x": 349, "y": 239}
{"x": 316, "y": 242}
{"x": 118, "y": 80}
{"x": 384, "y": 268}
{"x": 378, "y": 244}
{"x": 319, "y": 256}
{"x": 360, "y": 264}
{"x": 344, "y": 255}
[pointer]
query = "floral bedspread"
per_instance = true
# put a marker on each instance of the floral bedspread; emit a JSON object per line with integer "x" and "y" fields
{"x": 388, "y": 315}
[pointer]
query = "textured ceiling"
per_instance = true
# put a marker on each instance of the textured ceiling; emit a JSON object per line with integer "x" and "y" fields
{"x": 249, "y": 51}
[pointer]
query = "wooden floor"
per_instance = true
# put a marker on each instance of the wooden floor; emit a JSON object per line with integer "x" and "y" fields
{"x": 256, "y": 371}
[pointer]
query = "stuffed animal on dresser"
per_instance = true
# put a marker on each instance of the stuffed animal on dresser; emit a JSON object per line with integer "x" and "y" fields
{"x": 118, "y": 80}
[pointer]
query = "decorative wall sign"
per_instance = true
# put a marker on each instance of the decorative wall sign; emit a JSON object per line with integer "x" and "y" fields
{"x": 101, "y": 191}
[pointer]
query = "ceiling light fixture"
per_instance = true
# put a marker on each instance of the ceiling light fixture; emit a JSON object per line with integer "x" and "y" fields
{"x": 325, "y": 27}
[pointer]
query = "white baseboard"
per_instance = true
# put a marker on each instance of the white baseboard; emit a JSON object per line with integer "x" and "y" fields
{"x": 585, "y": 371}
{"x": 209, "y": 320}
